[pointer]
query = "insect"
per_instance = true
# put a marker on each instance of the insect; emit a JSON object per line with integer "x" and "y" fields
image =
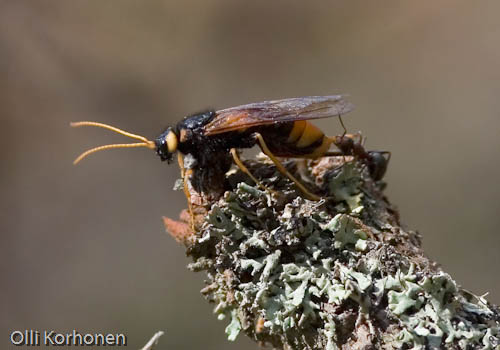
{"x": 280, "y": 128}
{"x": 376, "y": 161}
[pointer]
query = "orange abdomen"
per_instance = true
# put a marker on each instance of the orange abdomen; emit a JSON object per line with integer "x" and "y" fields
{"x": 299, "y": 139}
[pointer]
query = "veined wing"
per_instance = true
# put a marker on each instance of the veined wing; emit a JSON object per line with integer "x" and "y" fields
{"x": 278, "y": 111}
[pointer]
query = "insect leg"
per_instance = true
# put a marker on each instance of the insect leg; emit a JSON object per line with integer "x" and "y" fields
{"x": 333, "y": 154}
{"x": 303, "y": 171}
{"x": 243, "y": 168}
{"x": 343, "y": 126}
{"x": 185, "y": 174}
{"x": 180, "y": 160}
{"x": 282, "y": 169}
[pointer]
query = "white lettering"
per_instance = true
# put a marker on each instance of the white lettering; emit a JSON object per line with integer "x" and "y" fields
{"x": 59, "y": 339}
{"x": 71, "y": 339}
{"x": 121, "y": 339}
{"x": 77, "y": 338}
{"x": 17, "y": 338}
{"x": 110, "y": 339}
{"x": 88, "y": 339}
{"x": 99, "y": 339}
{"x": 47, "y": 338}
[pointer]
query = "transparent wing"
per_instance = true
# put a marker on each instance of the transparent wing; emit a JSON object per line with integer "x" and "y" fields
{"x": 278, "y": 111}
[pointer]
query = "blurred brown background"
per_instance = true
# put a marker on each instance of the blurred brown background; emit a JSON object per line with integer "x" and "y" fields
{"x": 84, "y": 248}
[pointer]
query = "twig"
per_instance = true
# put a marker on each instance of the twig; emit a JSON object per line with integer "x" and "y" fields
{"x": 336, "y": 274}
{"x": 153, "y": 341}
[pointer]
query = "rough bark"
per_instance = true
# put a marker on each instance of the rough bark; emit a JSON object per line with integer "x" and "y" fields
{"x": 341, "y": 273}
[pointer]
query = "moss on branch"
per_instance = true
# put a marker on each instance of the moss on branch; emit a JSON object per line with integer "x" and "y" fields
{"x": 336, "y": 274}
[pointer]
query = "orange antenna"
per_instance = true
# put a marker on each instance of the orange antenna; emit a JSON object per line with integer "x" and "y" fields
{"x": 145, "y": 142}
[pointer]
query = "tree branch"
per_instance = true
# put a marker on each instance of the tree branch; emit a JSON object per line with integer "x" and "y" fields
{"x": 336, "y": 274}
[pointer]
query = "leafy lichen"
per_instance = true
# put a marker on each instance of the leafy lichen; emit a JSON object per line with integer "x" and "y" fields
{"x": 334, "y": 274}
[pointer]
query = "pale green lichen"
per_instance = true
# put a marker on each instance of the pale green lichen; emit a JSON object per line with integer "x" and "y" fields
{"x": 233, "y": 328}
{"x": 345, "y": 231}
{"x": 346, "y": 186}
{"x": 316, "y": 273}
{"x": 434, "y": 312}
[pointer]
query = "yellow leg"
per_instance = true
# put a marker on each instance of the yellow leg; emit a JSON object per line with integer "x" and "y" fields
{"x": 282, "y": 169}
{"x": 243, "y": 168}
{"x": 180, "y": 160}
{"x": 184, "y": 176}
{"x": 302, "y": 168}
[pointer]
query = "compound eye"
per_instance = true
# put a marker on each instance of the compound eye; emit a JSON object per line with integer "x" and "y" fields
{"x": 171, "y": 140}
